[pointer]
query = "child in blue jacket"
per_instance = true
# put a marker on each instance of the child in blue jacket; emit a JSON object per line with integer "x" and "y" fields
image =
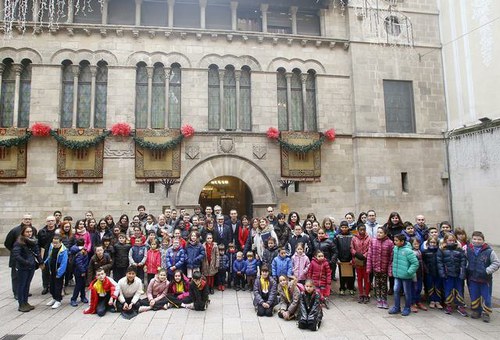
{"x": 195, "y": 253}
{"x": 223, "y": 267}
{"x": 80, "y": 267}
{"x": 231, "y": 254}
{"x": 56, "y": 262}
{"x": 239, "y": 270}
{"x": 282, "y": 265}
{"x": 175, "y": 259}
{"x": 251, "y": 272}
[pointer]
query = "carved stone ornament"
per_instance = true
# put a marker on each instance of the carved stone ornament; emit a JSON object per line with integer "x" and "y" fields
{"x": 226, "y": 144}
{"x": 193, "y": 152}
{"x": 259, "y": 151}
{"x": 118, "y": 147}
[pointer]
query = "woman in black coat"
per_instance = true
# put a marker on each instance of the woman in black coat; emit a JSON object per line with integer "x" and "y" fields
{"x": 27, "y": 256}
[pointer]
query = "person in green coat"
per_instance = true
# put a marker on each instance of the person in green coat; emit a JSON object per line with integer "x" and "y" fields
{"x": 404, "y": 267}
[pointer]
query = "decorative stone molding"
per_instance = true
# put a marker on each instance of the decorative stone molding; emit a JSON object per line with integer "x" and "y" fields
{"x": 290, "y": 64}
{"x": 226, "y": 144}
{"x": 116, "y": 147}
{"x": 193, "y": 152}
{"x": 228, "y": 59}
{"x": 166, "y": 59}
{"x": 259, "y": 151}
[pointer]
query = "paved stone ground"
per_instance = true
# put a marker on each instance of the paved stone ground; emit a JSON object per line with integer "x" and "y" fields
{"x": 231, "y": 316}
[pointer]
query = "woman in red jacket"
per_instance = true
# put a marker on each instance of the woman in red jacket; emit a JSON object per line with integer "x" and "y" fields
{"x": 321, "y": 274}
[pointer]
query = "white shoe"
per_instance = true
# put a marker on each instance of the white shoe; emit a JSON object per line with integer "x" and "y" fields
{"x": 51, "y": 302}
{"x": 56, "y": 304}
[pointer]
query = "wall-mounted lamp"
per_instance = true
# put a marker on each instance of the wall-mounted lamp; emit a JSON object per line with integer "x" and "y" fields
{"x": 168, "y": 182}
{"x": 285, "y": 183}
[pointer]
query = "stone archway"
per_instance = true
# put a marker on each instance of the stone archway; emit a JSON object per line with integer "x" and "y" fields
{"x": 224, "y": 165}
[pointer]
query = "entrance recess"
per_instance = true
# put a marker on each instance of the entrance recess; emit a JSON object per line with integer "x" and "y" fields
{"x": 230, "y": 193}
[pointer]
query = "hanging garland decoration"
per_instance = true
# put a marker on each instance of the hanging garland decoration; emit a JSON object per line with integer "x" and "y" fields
{"x": 8, "y": 143}
{"x": 274, "y": 133}
{"x": 76, "y": 145}
{"x": 155, "y": 146}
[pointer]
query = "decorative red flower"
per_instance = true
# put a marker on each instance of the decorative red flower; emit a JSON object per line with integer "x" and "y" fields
{"x": 40, "y": 129}
{"x": 121, "y": 129}
{"x": 273, "y": 133}
{"x": 330, "y": 134}
{"x": 187, "y": 131}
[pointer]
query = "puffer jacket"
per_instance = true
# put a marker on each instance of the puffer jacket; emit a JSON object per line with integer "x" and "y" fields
{"x": 328, "y": 247}
{"x": 379, "y": 259}
{"x": 451, "y": 262}
{"x": 310, "y": 308}
{"x": 360, "y": 246}
{"x": 429, "y": 257}
{"x": 26, "y": 254}
{"x": 224, "y": 262}
{"x": 252, "y": 267}
{"x": 195, "y": 253}
{"x": 121, "y": 251}
{"x": 320, "y": 273}
{"x": 80, "y": 261}
{"x": 281, "y": 266}
{"x": 240, "y": 266}
{"x": 175, "y": 257}
{"x": 269, "y": 255}
{"x": 482, "y": 265}
{"x": 404, "y": 262}
{"x": 343, "y": 243}
{"x": 300, "y": 266}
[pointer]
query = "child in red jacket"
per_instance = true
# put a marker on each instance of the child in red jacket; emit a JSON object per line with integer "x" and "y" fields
{"x": 153, "y": 260}
{"x": 379, "y": 262}
{"x": 321, "y": 274}
{"x": 359, "y": 249}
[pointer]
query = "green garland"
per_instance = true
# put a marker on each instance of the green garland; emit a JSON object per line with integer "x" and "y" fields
{"x": 7, "y": 143}
{"x": 155, "y": 146}
{"x": 302, "y": 148}
{"x": 76, "y": 145}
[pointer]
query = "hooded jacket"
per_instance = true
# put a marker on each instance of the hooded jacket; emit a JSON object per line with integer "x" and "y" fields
{"x": 379, "y": 259}
{"x": 451, "y": 262}
{"x": 404, "y": 262}
{"x": 320, "y": 272}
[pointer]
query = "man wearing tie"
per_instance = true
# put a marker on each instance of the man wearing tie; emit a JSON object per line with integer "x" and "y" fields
{"x": 222, "y": 232}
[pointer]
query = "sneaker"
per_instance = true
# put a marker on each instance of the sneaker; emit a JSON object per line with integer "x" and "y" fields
{"x": 367, "y": 299}
{"x": 167, "y": 305}
{"x": 421, "y": 306}
{"x": 432, "y": 305}
{"x": 342, "y": 292}
{"x": 244, "y": 288}
{"x": 237, "y": 288}
{"x": 448, "y": 310}
{"x": 85, "y": 300}
{"x": 30, "y": 306}
{"x": 385, "y": 305}
{"x": 351, "y": 292}
{"x": 56, "y": 304}
{"x": 438, "y": 305}
{"x": 23, "y": 308}
{"x": 406, "y": 312}
{"x": 73, "y": 303}
{"x": 475, "y": 315}
{"x": 461, "y": 310}
{"x": 45, "y": 291}
{"x": 51, "y": 302}
{"x": 414, "y": 309}
{"x": 361, "y": 299}
{"x": 380, "y": 304}
{"x": 394, "y": 310}
{"x": 219, "y": 288}
{"x": 486, "y": 317}
{"x": 222, "y": 287}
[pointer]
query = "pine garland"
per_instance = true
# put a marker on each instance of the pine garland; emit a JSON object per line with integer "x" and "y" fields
{"x": 302, "y": 148}
{"x": 7, "y": 143}
{"x": 155, "y": 146}
{"x": 75, "y": 144}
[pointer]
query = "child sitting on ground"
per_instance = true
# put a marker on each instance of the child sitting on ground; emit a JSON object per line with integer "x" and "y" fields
{"x": 289, "y": 295}
{"x": 310, "y": 313}
{"x": 157, "y": 293}
{"x": 198, "y": 292}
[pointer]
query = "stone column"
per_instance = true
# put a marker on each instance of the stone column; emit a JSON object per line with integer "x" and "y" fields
{"x": 288, "y": 77}
{"x": 322, "y": 16}
{"x": 237, "y": 76}
{"x": 149, "y": 70}
{"x": 221, "y": 99}
{"x": 171, "y": 4}
{"x": 138, "y": 4}
{"x": 18, "y": 68}
{"x": 263, "y": 9}
{"x": 303, "y": 79}
{"x": 104, "y": 14}
{"x": 293, "y": 12}
{"x": 36, "y": 8}
{"x": 93, "y": 71}
{"x": 167, "y": 93}
{"x": 203, "y": 9}
{"x": 234, "y": 15}
{"x": 76, "y": 73}
{"x": 2, "y": 68}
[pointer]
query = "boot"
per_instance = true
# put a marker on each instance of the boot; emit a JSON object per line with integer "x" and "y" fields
{"x": 24, "y": 308}
{"x": 30, "y": 306}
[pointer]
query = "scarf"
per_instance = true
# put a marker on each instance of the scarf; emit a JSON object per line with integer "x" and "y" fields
{"x": 287, "y": 293}
{"x": 264, "y": 284}
{"x": 209, "y": 247}
{"x": 179, "y": 287}
{"x": 99, "y": 288}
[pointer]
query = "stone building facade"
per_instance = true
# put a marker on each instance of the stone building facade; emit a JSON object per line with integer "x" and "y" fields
{"x": 325, "y": 51}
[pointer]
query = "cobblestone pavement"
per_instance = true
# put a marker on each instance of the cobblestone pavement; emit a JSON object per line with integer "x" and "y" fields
{"x": 231, "y": 316}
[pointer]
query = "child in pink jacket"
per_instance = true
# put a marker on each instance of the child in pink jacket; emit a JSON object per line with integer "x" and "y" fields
{"x": 300, "y": 263}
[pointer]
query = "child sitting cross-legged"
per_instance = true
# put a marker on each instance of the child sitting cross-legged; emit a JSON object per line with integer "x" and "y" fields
{"x": 157, "y": 293}
{"x": 310, "y": 313}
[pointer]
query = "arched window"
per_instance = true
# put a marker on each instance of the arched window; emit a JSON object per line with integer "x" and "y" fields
{"x": 158, "y": 97}
{"x": 310, "y": 109}
{"x": 296, "y": 102}
{"x": 282, "y": 100}
{"x": 213, "y": 98}
{"x": 84, "y": 95}
{"x": 229, "y": 121}
{"x": 245, "y": 100}
{"x": 25, "y": 94}
{"x": 101, "y": 95}
{"x": 141, "y": 96}
{"x": 174, "y": 97}
{"x": 8, "y": 94}
{"x": 67, "y": 94}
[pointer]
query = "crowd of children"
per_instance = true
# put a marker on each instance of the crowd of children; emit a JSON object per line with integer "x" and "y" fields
{"x": 288, "y": 266}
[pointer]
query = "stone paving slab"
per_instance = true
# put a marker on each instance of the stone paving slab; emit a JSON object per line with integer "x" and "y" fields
{"x": 231, "y": 316}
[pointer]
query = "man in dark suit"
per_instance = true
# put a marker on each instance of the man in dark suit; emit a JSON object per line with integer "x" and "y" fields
{"x": 223, "y": 234}
{"x": 234, "y": 224}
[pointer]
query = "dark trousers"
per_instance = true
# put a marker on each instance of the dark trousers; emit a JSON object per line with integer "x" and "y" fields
{"x": 79, "y": 287}
{"x": 140, "y": 273}
{"x": 118, "y": 273}
{"x": 135, "y": 307}
{"x": 311, "y": 324}
{"x": 453, "y": 291}
{"x": 56, "y": 286}
{"x": 434, "y": 288}
{"x": 24, "y": 278}
{"x": 239, "y": 280}
{"x": 261, "y": 311}
{"x": 150, "y": 277}
{"x": 346, "y": 280}
{"x": 13, "y": 277}
{"x": 406, "y": 285}
{"x": 157, "y": 306}
{"x": 102, "y": 304}
{"x": 221, "y": 277}
{"x": 480, "y": 296}
{"x": 45, "y": 277}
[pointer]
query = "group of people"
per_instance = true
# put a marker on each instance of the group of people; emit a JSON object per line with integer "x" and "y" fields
{"x": 288, "y": 264}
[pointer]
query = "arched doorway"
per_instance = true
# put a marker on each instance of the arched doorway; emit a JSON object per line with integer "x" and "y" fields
{"x": 230, "y": 193}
